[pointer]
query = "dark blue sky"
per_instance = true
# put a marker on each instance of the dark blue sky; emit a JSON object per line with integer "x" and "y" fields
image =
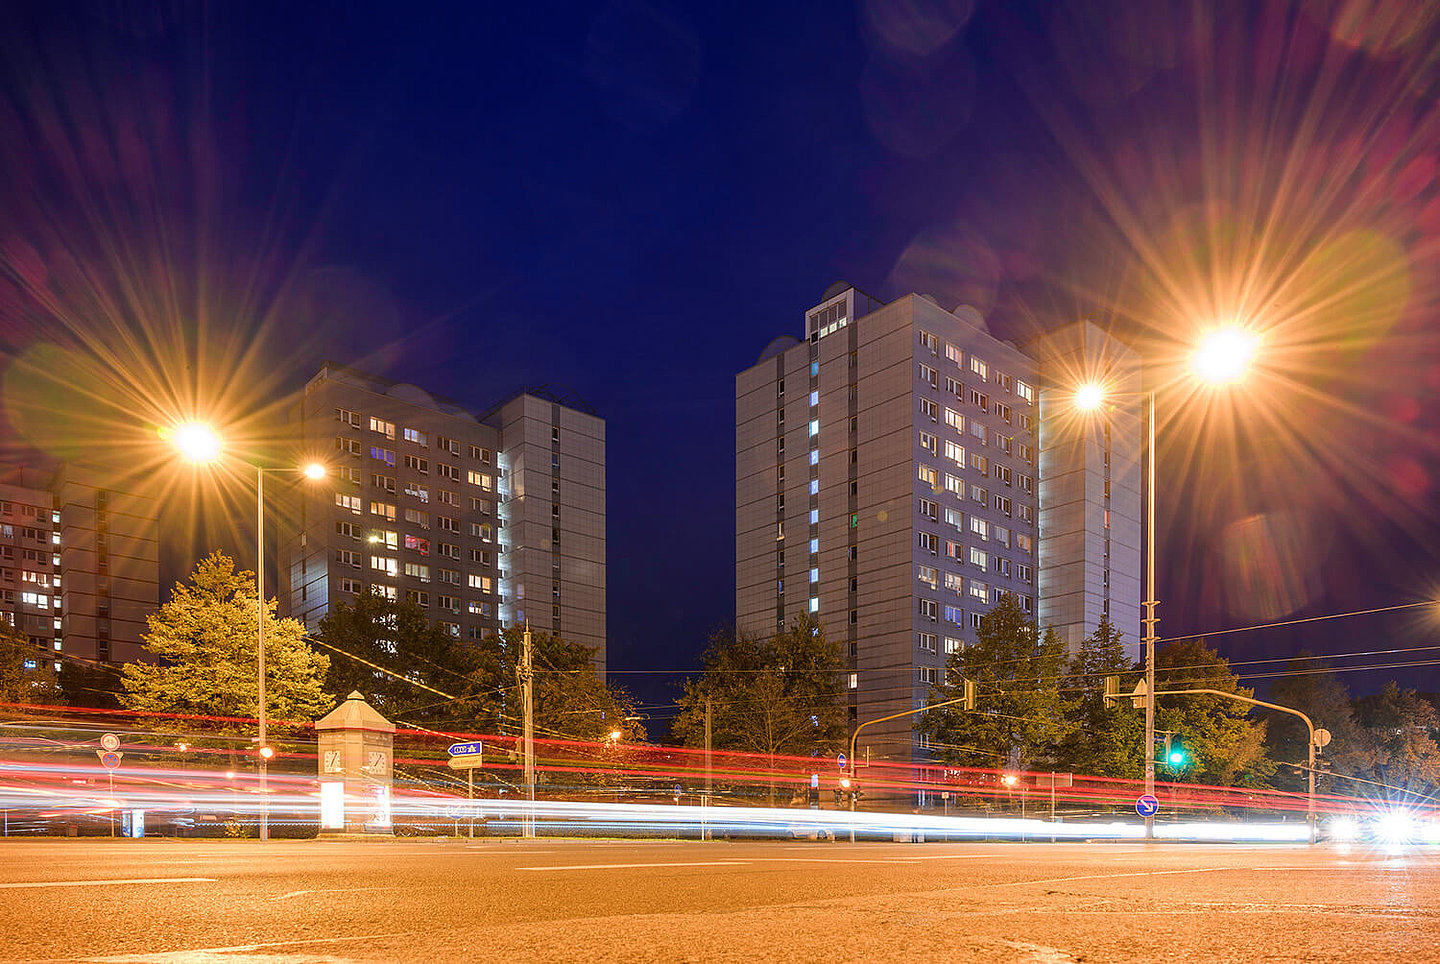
{"x": 632, "y": 199}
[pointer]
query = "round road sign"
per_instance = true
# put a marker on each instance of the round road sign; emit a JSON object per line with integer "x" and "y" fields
{"x": 1147, "y": 805}
{"x": 1322, "y": 737}
{"x": 840, "y": 761}
{"x": 110, "y": 741}
{"x": 111, "y": 759}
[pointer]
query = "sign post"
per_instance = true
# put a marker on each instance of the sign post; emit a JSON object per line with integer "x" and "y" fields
{"x": 1147, "y": 806}
{"x": 468, "y": 756}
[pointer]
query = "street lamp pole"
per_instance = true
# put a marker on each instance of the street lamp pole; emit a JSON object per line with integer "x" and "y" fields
{"x": 260, "y": 646}
{"x": 1150, "y": 618}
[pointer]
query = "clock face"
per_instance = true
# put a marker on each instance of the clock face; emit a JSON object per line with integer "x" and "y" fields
{"x": 376, "y": 763}
{"x": 332, "y": 761}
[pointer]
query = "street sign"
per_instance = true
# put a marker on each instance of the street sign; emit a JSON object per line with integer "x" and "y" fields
{"x": 840, "y": 761}
{"x": 1147, "y": 805}
{"x": 470, "y": 761}
{"x": 464, "y": 749}
{"x": 110, "y": 758}
{"x": 110, "y": 741}
{"x": 1322, "y": 737}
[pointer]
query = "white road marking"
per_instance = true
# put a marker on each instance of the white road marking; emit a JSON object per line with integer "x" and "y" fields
{"x": 1142, "y": 873}
{"x": 331, "y": 890}
{"x": 106, "y": 883}
{"x": 209, "y": 953}
{"x": 948, "y": 857}
{"x": 677, "y": 863}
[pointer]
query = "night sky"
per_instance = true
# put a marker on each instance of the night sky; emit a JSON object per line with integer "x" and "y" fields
{"x": 202, "y": 202}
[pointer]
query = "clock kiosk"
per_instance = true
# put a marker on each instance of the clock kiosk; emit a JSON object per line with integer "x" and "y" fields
{"x": 356, "y": 744}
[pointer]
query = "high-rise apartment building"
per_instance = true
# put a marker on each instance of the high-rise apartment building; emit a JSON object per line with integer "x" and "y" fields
{"x": 485, "y": 520}
{"x": 889, "y": 482}
{"x": 79, "y": 561}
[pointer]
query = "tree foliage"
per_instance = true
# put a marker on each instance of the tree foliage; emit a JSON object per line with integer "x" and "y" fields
{"x": 1103, "y": 740}
{"x": 1312, "y": 688}
{"x": 204, "y": 643}
{"x": 570, "y": 701}
{"x": 27, "y": 673}
{"x": 779, "y": 695}
{"x": 1021, "y": 716}
{"x": 1222, "y": 744}
{"x": 418, "y": 657}
{"x": 1401, "y": 728}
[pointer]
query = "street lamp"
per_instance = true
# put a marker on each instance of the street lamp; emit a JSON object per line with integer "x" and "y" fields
{"x": 1222, "y": 356}
{"x": 199, "y": 443}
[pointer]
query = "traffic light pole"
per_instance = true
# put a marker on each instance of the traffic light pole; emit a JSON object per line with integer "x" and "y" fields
{"x": 968, "y": 699}
{"x": 1150, "y": 621}
{"x": 1310, "y": 769}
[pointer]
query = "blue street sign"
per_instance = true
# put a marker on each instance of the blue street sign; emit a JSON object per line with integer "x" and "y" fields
{"x": 1147, "y": 805}
{"x": 464, "y": 749}
{"x": 840, "y": 761}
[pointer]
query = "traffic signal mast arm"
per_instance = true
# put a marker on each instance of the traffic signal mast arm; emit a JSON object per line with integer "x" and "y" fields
{"x": 968, "y": 699}
{"x": 1310, "y": 810}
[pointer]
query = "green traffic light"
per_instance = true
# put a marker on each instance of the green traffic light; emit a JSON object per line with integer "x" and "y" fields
{"x": 1176, "y": 758}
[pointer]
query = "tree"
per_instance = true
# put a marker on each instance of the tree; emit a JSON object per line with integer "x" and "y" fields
{"x": 1020, "y": 716}
{"x": 570, "y": 701}
{"x": 1222, "y": 745}
{"x": 27, "y": 673}
{"x": 781, "y": 695}
{"x": 417, "y": 656}
{"x": 1103, "y": 740}
{"x": 1402, "y": 729}
{"x": 204, "y": 641}
{"x": 1315, "y": 690}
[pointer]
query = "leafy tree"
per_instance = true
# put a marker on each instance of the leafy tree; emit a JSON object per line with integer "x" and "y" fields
{"x": 27, "y": 673}
{"x": 204, "y": 640}
{"x": 781, "y": 695}
{"x": 90, "y": 685}
{"x": 1020, "y": 715}
{"x": 400, "y": 638}
{"x": 1104, "y": 740}
{"x": 1222, "y": 745}
{"x": 1313, "y": 689}
{"x": 1402, "y": 728}
{"x": 570, "y": 701}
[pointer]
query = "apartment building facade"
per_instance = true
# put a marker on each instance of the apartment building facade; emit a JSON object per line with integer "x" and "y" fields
{"x": 79, "y": 561}
{"x": 484, "y": 520}
{"x": 888, "y": 482}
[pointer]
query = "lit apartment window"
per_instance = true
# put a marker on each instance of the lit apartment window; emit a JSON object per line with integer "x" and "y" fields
{"x": 979, "y": 590}
{"x": 955, "y": 486}
{"x": 854, "y": 681}
{"x": 929, "y": 575}
{"x": 979, "y": 558}
{"x": 388, "y": 592}
{"x": 928, "y": 442}
{"x": 417, "y": 437}
{"x": 386, "y": 564}
{"x": 388, "y": 538}
{"x": 350, "y": 502}
{"x": 953, "y": 582}
{"x": 980, "y": 527}
{"x": 952, "y": 645}
{"x": 383, "y": 427}
{"x": 814, "y": 604}
{"x": 384, "y": 510}
{"x": 418, "y": 571}
{"x": 979, "y": 368}
{"x": 928, "y": 474}
{"x": 382, "y": 455}
{"x": 1025, "y": 391}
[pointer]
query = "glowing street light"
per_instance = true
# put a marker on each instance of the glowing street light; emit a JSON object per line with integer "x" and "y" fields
{"x": 615, "y": 736}
{"x": 1224, "y": 355}
{"x": 1090, "y": 396}
{"x": 314, "y": 471}
{"x": 196, "y": 442}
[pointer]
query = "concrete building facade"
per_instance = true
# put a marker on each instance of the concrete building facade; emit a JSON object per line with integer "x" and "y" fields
{"x": 485, "y": 521}
{"x": 888, "y": 481}
{"x": 79, "y": 561}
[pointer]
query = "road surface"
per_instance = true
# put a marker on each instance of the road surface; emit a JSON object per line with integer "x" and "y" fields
{"x": 463, "y": 900}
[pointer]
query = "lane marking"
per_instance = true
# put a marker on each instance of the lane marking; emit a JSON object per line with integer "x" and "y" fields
{"x": 192, "y": 954}
{"x": 1142, "y": 873}
{"x": 678, "y": 863}
{"x": 331, "y": 890}
{"x": 949, "y": 857}
{"x": 107, "y": 883}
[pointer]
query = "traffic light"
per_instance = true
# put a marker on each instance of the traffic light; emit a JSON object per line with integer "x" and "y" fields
{"x": 969, "y": 703}
{"x": 1174, "y": 751}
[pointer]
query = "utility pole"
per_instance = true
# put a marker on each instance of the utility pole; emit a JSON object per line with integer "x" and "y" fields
{"x": 709, "y": 772}
{"x": 1151, "y": 620}
{"x": 527, "y": 680}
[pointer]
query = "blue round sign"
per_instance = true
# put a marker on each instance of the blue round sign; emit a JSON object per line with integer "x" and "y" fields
{"x": 840, "y": 761}
{"x": 1147, "y": 805}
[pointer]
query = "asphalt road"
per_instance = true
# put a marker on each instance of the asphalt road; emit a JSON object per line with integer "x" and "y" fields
{"x": 463, "y": 900}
